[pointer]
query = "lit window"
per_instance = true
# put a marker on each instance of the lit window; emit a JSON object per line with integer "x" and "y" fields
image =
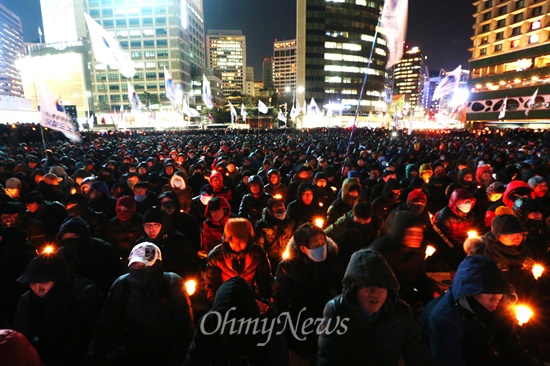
{"x": 535, "y": 25}
{"x": 498, "y": 47}
{"x": 534, "y": 38}
{"x": 514, "y": 43}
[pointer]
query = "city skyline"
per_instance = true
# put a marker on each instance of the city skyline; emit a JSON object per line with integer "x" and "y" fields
{"x": 443, "y": 38}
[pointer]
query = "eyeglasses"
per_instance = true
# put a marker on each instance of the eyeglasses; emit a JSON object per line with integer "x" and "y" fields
{"x": 152, "y": 225}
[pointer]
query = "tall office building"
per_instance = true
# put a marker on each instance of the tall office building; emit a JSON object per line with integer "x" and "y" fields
{"x": 510, "y": 58}
{"x": 267, "y": 73}
{"x": 156, "y": 34}
{"x": 11, "y": 48}
{"x": 226, "y": 53}
{"x": 284, "y": 65}
{"x": 63, "y": 20}
{"x": 409, "y": 77}
{"x": 335, "y": 39}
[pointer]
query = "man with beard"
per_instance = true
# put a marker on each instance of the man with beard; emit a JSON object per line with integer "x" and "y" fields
{"x": 147, "y": 317}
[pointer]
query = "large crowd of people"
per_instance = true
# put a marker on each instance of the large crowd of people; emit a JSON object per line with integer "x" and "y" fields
{"x": 130, "y": 247}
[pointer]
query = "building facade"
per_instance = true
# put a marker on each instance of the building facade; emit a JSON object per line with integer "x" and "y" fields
{"x": 336, "y": 38}
{"x": 409, "y": 77}
{"x": 510, "y": 59}
{"x": 226, "y": 53}
{"x": 267, "y": 73}
{"x": 11, "y": 48}
{"x": 284, "y": 65}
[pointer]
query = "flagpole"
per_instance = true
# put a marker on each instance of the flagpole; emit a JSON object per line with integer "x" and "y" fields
{"x": 43, "y": 139}
{"x": 362, "y": 88}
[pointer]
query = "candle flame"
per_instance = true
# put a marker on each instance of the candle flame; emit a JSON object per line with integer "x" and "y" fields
{"x": 523, "y": 314}
{"x": 429, "y": 251}
{"x": 537, "y": 271}
{"x": 278, "y": 196}
{"x": 286, "y": 254}
{"x": 190, "y": 287}
{"x": 319, "y": 222}
{"x": 472, "y": 234}
{"x": 48, "y": 249}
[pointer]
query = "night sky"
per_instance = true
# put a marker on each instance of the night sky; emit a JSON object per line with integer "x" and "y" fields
{"x": 440, "y": 28}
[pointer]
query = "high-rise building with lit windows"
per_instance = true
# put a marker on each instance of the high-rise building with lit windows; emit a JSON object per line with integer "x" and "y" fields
{"x": 284, "y": 65}
{"x": 226, "y": 53}
{"x": 63, "y": 20}
{"x": 267, "y": 73}
{"x": 335, "y": 39}
{"x": 409, "y": 77}
{"x": 156, "y": 34}
{"x": 11, "y": 48}
{"x": 510, "y": 59}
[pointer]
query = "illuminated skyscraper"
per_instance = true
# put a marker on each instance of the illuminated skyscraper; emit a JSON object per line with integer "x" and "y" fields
{"x": 11, "y": 47}
{"x": 267, "y": 72}
{"x": 510, "y": 58}
{"x": 335, "y": 40}
{"x": 63, "y": 20}
{"x": 284, "y": 65}
{"x": 409, "y": 77}
{"x": 226, "y": 53}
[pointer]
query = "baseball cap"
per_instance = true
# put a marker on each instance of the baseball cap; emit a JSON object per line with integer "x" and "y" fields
{"x": 146, "y": 253}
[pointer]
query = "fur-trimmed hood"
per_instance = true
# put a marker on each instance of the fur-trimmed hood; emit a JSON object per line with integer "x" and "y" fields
{"x": 294, "y": 250}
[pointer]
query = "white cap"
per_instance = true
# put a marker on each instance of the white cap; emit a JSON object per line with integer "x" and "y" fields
{"x": 146, "y": 253}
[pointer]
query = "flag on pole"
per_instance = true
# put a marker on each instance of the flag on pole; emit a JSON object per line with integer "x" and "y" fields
{"x": 243, "y": 112}
{"x": 393, "y": 25}
{"x": 313, "y": 108}
{"x": 294, "y": 112}
{"x": 298, "y": 106}
{"x": 233, "y": 111}
{"x": 53, "y": 114}
{"x": 39, "y": 32}
{"x": 169, "y": 87}
{"x": 503, "y": 109}
{"x": 210, "y": 117}
{"x": 107, "y": 50}
{"x": 448, "y": 84}
{"x": 133, "y": 98}
{"x": 531, "y": 102}
{"x": 185, "y": 107}
{"x": 281, "y": 116}
{"x": 262, "y": 107}
{"x": 206, "y": 93}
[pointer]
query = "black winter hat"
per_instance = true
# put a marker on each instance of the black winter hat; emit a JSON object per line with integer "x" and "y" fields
{"x": 153, "y": 215}
{"x": 75, "y": 226}
{"x": 506, "y": 224}
{"x": 45, "y": 268}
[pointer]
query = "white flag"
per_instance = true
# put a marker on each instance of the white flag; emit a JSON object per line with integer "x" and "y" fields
{"x": 133, "y": 97}
{"x": 294, "y": 112}
{"x": 393, "y": 25}
{"x": 281, "y": 116}
{"x": 448, "y": 84}
{"x": 243, "y": 112}
{"x": 262, "y": 107}
{"x": 185, "y": 107}
{"x": 53, "y": 114}
{"x": 169, "y": 87}
{"x": 107, "y": 50}
{"x": 313, "y": 108}
{"x": 503, "y": 109}
{"x": 206, "y": 93}
{"x": 39, "y": 31}
{"x": 233, "y": 111}
{"x": 531, "y": 102}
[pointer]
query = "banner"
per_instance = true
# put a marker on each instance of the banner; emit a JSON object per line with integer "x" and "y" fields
{"x": 53, "y": 114}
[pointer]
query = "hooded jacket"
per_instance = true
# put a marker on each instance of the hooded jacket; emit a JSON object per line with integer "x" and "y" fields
{"x": 391, "y": 335}
{"x": 515, "y": 188}
{"x": 236, "y": 300}
{"x": 462, "y": 332}
{"x": 273, "y": 235}
{"x": 212, "y": 231}
{"x": 345, "y": 202}
{"x": 178, "y": 186}
{"x": 252, "y": 207}
{"x": 251, "y": 264}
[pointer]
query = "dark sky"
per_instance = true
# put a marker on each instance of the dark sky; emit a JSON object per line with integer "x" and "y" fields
{"x": 441, "y": 28}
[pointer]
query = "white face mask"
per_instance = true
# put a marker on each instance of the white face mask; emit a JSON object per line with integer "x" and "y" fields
{"x": 317, "y": 254}
{"x": 205, "y": 199}
{"x": 464, "y": 207}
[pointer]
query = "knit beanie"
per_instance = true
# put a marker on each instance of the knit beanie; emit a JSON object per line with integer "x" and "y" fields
{"x": 75, "y": 226}
{"x": 153, "y": 215}
{"x": 495, "y": 188}
{"x": 506, "y": 224}
{"x": 45, "y": 268}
